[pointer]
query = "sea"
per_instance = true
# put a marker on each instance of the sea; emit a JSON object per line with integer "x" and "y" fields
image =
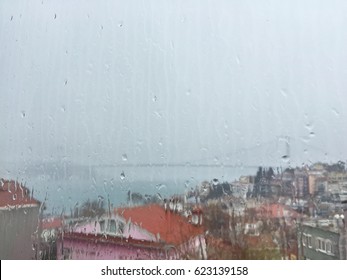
{"x": 61, "y": 195}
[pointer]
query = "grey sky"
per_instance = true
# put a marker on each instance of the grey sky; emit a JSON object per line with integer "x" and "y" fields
{"x": 170, "y": 80}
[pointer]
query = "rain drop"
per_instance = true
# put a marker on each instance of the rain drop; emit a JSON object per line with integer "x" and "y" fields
{"x": 286, "y": 159}
{"x": 309, "y": 126}
{"x": 158, "y": 114}
{"x": 336, "y": 113}
{"x": 124, "y": 157}
{"x": 284, "y": 93}
{"x": 122, "y": 176}
{"x": 160, "y": 186}
{"x": 155, "y": 98}
{"x": 23, "y": 114}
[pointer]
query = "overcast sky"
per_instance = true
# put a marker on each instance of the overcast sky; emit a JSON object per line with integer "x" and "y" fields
{"x": 171, "y": 81}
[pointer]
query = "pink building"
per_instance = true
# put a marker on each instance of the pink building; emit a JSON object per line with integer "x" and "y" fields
{"x": 142, "y": 232}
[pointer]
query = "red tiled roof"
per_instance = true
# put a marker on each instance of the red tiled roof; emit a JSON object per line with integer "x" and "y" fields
{"x": 14, "y": 194}
{"x": 52, "y": 223}
{"x": 171, "y": 227}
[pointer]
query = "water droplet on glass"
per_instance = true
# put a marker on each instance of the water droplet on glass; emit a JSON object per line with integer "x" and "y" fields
{"x": 309, "y": 126}
{"x": 284, "y": 93}
{"x": 305, "y": 139}
{"x": 120, "y": 23}
{"x": 286, "y": 159}
{"x": 14, "y": 197}
{"x": 158, "y": 114}
{"x": 216, "y": 160}
{"x": 160, "y": 186}
{"x": 62, "y": 108}
{"x": 188, "y": 92}
{"x": 65, "y": 82}
{"x": 336, "y": 113}
{"x": 155, "y": 98}
{"x": 238, "y": 60}
{"x": 312, "y": 134}
{"x": 11, "y": 18}
{"x": 55, "y": 16}
{"x": 124, "y": 157}
{"x": 122, "y": 176}
{"x": 23, "y": 114}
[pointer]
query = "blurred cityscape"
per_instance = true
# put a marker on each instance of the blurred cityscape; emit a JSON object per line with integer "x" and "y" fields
{"x": 285, "y": 214}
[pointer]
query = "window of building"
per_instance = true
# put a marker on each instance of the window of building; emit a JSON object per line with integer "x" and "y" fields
{"x": 321, "y": 244}
{"x": 112, "y": 226}
{"x": 309, "y": 241}
{"x": 329, "y": 247}
{"x": 304, "y": 239}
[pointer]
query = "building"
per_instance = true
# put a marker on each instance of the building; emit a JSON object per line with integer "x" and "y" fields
{"x": 337, "y": 182}
{"x": 144, "y": 232}
{"x": 301, "y": 183}
{"x": 317, "y": 181}
{"x": 84, "y": 246}
{"x": 50, "y": 229}
{"x": 322, "y": 240}
{"x": 19, "y": 216}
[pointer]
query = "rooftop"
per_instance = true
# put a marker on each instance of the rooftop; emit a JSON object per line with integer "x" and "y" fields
{"x": 14, "y": 194}
{"x": 169, "y": 225}
{"x": 52, "y": 223}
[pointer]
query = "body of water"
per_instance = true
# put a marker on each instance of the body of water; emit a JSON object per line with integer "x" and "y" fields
{"x": 112, "y": 184}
